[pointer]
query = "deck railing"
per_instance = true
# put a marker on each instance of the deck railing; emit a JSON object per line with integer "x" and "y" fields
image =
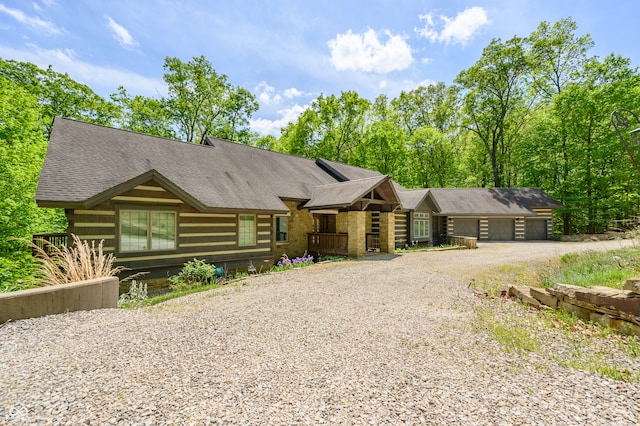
{"x": 337, "y": 244}
{"x": 47, "y": 241}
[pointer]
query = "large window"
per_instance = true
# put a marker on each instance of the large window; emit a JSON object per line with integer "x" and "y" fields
{"x": 420, "y": 225}
{"x": 147, "y": 230}
{"x": 282, "y": 229}
{"x": 247, "y": 230}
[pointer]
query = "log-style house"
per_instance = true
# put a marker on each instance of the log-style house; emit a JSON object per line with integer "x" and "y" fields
{"x": 158, "y": 203}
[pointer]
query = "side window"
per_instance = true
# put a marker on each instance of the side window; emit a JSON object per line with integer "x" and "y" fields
{"x": 247, "y": 230}
{"x": 282, "y": 229}
{"x": 147, "y": 230}
{"x": 420, "y": 225}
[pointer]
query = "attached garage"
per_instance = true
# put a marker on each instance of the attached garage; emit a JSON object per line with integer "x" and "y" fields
{"x": 536, "y": 229}
{"x": 502, "y": 229}
{"x": 466, "y": 227}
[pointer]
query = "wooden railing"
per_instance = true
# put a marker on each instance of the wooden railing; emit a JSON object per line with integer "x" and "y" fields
{"x": 323, "y": 244}
{"x": 47, "y": 241}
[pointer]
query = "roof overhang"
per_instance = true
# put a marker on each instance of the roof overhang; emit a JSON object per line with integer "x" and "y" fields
{"x": 360, "y": 194}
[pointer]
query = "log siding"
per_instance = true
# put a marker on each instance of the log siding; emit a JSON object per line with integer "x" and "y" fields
{"x": 211, "y": 236}
{"x": 401, "y": 228}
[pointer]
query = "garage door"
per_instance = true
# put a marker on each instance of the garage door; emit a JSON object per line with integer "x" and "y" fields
{"x": 536, "y": 229}
{"x": 466, "y": 227}
{"x": 502, "y": 229}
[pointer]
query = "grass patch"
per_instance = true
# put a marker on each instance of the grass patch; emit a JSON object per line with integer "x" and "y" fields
{"x": 515, "y": 336}
{"x": 174, "y": 294}
{"x": 558, "y": 337}
{"x": 603, "y": 268}
{"x": 591, "y": 268}
{"x": 493, "y": 280}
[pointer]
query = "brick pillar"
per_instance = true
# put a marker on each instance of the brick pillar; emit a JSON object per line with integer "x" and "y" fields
{"x": 357, "y": 233}
{"x": 387, "y": 232}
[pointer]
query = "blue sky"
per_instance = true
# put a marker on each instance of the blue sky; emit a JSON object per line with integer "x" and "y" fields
{"x": 290, "y": 51}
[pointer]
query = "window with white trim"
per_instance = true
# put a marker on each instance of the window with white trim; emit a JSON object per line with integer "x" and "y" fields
{"x": 420, "y": 225}
{"x": 142, "y": 230}
{"x": 246, "y": 230}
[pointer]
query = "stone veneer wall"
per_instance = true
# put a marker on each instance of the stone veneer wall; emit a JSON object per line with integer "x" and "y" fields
{"x": 342, "y": 223}
{"x": 300, "y": 224}
{"x": 387, "y": 232}
{"x": 357, "y": 228}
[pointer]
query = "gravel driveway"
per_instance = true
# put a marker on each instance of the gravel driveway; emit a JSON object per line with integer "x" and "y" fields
{"x": 384, "y": 340}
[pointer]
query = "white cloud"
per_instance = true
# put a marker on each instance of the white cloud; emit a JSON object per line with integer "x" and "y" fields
{"x": 265, "y": 126}
{"x": 47, "y": 27}
{"x": 97, "y": 77}
{"x": 425, "y": 83}
{"x": 460, "y": 29}
{"x": 267, "y": 94}
{"x": 121, "y": 34}
{"x": 427, "y": 31}
{"x": 292, "y": 93}
{"x": 365, "y": 52}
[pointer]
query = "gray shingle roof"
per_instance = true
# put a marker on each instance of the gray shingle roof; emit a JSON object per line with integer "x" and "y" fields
{"x": 343, "y": 194}
{"x": 84, "y": 161}
{"x": 491, "y": 201}
{"x": 410, "y": 199}
{"x": 338, "y": 170}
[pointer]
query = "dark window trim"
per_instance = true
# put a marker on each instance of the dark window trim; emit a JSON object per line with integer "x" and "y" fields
{"x": 277, "y": 231}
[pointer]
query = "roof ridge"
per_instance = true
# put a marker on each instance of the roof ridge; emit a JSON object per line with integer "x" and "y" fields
{"x": 260, "y": 149}
{"x": 380, "y": 177}
{"x": 104, "y": 126}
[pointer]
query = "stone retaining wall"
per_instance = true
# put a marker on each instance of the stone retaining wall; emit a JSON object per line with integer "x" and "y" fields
{"x": 86, "y": 295}
{"x": 619, "y": 309}
{"x": 468, "y": 242}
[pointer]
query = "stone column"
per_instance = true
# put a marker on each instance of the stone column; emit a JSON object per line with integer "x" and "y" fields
{"x": 357, "y": 233}
{"x": 387, "y": 232}
{"x": 342, "y": 223}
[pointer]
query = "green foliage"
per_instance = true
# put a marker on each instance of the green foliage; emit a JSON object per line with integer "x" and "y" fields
{"x": 143, "y": 114}
{"x": 22, "y": 151}
{"x": 202, "y": 103}
{"x": 331, "y": 258}
{"x": 331, "y": 128}
{"x": 58, "y": 94}
{"x": 610, "y": 268}
{"x": 136, "y": 296}
{"x": 195, "y": 273}
{"x": 18, "y": 271}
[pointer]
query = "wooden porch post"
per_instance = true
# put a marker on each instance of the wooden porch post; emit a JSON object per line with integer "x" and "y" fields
{"x": 387, "y": 232}
{"x": 357, "y": 224}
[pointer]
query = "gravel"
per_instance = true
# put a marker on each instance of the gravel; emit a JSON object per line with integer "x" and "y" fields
{"x": 384, "y": 340}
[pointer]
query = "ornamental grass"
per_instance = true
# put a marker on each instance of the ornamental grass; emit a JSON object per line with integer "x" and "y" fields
{"x": 78, "y": 263}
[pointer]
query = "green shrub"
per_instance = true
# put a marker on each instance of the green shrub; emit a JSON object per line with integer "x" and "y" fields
{"x": 18, "y": 271}
{"x": 136, "y": 296}
{"x": 194, "y": 273}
